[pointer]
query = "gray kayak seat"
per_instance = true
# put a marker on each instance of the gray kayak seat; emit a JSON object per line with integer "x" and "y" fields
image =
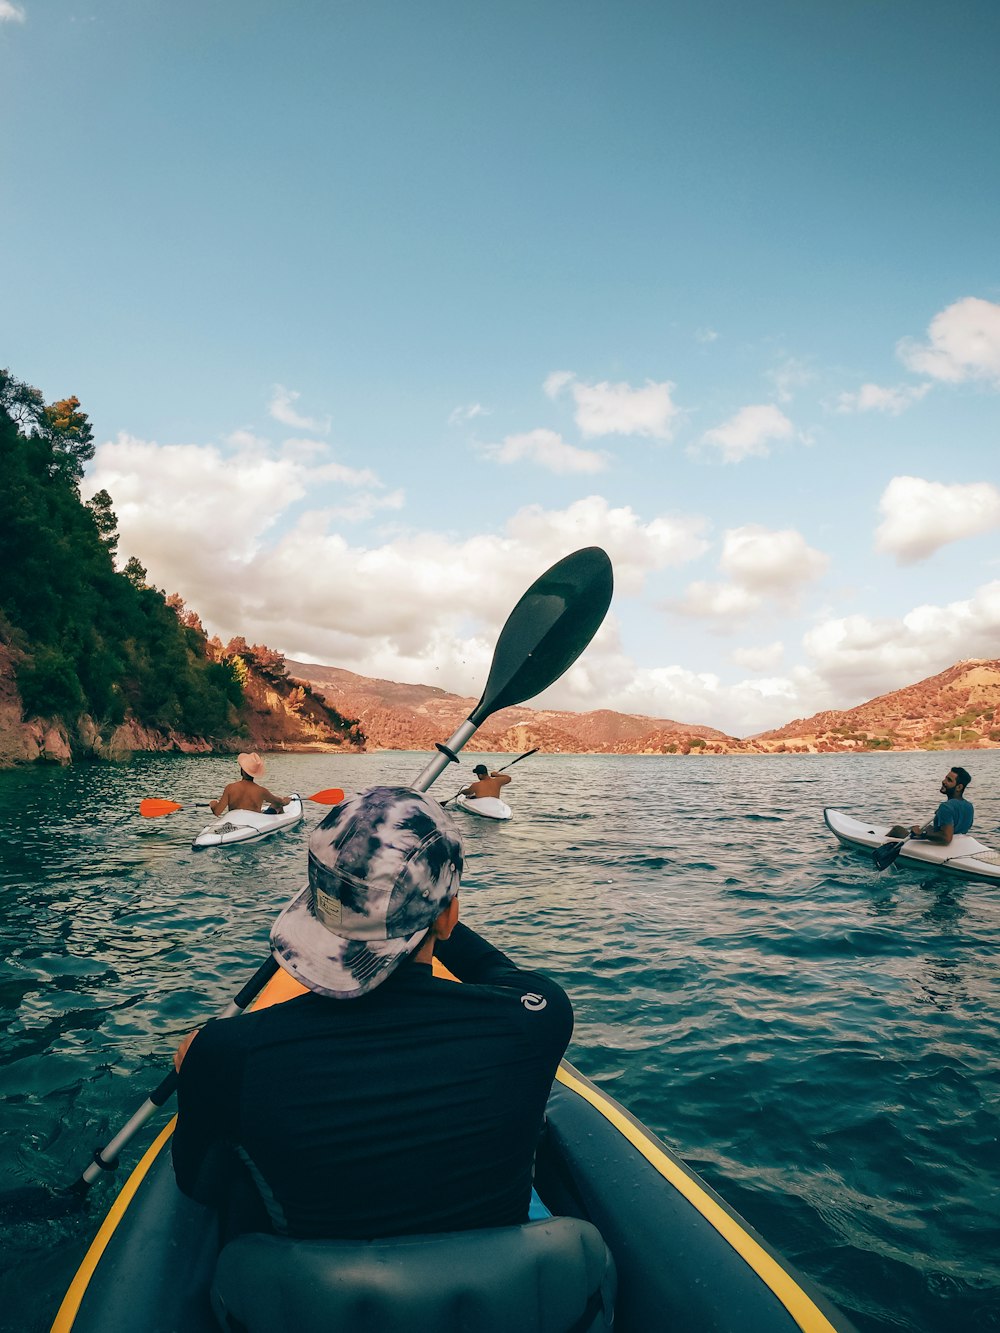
{"x": 554, "y": 1276}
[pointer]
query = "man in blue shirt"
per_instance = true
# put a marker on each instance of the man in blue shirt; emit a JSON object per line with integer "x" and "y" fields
{"x": 953, "y": 815}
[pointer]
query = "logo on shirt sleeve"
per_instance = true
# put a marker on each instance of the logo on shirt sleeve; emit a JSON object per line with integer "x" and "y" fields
{"x": 533, "y": 1003}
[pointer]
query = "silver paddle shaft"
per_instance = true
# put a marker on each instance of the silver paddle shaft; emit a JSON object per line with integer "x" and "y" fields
{"x": 106, "y": 1158}
{"x": 441, "y": 761}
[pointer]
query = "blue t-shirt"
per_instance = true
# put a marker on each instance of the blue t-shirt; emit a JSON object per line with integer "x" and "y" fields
{"x": 958, "y": 813}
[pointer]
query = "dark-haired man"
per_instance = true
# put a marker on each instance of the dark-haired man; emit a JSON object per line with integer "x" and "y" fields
{"x": 953, "y": 815}
{"x": 486, "y": 783}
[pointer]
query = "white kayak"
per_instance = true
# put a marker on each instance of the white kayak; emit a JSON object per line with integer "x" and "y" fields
{"x": 489, "y": 807}
{"x": 248, "y": 825}
{"x": 964, "y": 855}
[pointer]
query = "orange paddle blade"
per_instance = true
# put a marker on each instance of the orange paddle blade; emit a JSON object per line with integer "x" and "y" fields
{"x": 153, "y": 806}
{"x": 331, "y": 796}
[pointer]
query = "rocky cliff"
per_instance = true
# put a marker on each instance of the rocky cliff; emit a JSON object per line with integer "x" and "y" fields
{"x": 278, "y": 713}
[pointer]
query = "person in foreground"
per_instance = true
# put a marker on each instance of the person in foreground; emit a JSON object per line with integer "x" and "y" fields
{"x": 953, "y": 815}
{"x": 247, "y": 794}
{"x": 486, "y": 784}
{"x": 386, "y": 1100}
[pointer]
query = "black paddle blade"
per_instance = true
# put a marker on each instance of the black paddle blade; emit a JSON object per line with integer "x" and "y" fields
{"x": 885, "y": 855}
{"x": 548, "y": 630}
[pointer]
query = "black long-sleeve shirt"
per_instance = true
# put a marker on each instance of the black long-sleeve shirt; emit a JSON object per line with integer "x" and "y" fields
{"x": 414, "y": 1108}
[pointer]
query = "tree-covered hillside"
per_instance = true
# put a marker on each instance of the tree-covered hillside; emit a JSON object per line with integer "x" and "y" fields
{"x": 88, "y": 640}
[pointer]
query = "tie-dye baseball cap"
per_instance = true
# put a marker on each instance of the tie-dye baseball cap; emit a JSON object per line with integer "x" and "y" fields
{"x": 382, "y": 866}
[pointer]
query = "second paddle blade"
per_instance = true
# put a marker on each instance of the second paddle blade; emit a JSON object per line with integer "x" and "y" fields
{"x": 885, "y": 855}
{"x": 152, "y": 806}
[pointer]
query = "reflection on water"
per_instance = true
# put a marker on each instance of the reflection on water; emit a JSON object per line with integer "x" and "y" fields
{"x": 819, "y": 1040}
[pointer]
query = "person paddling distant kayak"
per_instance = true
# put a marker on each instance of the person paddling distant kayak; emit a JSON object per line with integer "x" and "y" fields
{"x": 953, "y": 815}
{"x": 487, "y": 783}
{"x": 246, "y": 794}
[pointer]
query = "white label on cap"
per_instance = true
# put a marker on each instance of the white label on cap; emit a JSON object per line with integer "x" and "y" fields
{"x": 329, "y": 909}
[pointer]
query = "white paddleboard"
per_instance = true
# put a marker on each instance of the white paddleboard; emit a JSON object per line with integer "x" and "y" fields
{"x": 964, "y": 855}
{"x": 248, "y": 825}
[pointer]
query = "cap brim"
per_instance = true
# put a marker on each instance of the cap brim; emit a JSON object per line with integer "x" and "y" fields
{"x": 328, "y": 963}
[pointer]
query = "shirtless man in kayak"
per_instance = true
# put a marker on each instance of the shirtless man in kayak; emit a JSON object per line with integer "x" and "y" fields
{"x": 487, "y": 783}
{"x": 246, "y": 794}
{"x": 953, "y": 815}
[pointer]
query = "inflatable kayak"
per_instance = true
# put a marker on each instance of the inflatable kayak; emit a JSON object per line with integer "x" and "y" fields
{"x": 487, "y": 807}
{"x": 964, "y": 855}
{"x": 248, "y": 825}
{"x": 634, "y": 1228}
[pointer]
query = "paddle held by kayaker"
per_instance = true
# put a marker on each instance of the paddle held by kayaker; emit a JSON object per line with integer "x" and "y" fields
{"x": 486, "y": 784}
{"x": 385, "y": 1100}
{"x": 953, "y": 815}
{"x": 247, "y": 794}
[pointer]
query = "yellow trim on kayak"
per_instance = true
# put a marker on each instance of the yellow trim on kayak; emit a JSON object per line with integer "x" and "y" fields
{"x": 282, "y": 987}
{"x": 799, "y": 1305}
{"x": 74, "y": 1296}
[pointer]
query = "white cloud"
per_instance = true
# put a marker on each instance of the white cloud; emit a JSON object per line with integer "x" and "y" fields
{"x": 921, "y": 516}
{"x": 557, "y": 381}
{"x": 858, "y": 658}
{"x": 726, "y": 603}
{"x": 175, "y": 500}
{"x": 607, "y": 678}
{"x": 11, "y": 13}
{"x": 466, "y": 412}
{"x": 618, "y": 409}
{"x": 791, "y": 375}
{"x": 246, "y": 441}
{"x": 635, "y": 547}
{"x": 348, "y": 476}
{"x": 362, "y": 507}
{"x": 423, "y": 607}
{"x": 705, "y": 335}
{"x": 772, "y": 563}
{"x": 281, "y": 407}
{"x": 747, "y": 433}
{"x": 875, "y": 398}
{"x": 303, "y": 448}
{"x": 764, "y": 658}
{"x": 549, "y": 450}
{"x": 760, "y": 564}
{"x": 196, "y": 515}
{"x": 963, "y": 342}
{"x": 849, "y": 661}
{"x": 223, "y": 532}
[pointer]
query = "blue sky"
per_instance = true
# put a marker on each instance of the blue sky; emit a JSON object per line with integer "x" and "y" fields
{"x": 379, "y": 309}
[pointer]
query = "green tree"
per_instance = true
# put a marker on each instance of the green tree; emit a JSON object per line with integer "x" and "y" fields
{"x": 135, "y": 572}
{"x": 105, "y": 519}
{"x": 68, "y": 432}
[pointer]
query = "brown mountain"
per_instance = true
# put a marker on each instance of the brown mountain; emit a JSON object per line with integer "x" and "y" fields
{"x": 414, "y": 717}
{"x": 957, "y": 709}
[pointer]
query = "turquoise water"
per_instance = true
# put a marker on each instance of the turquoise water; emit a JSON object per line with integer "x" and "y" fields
{"x": 819, "y": 1041}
